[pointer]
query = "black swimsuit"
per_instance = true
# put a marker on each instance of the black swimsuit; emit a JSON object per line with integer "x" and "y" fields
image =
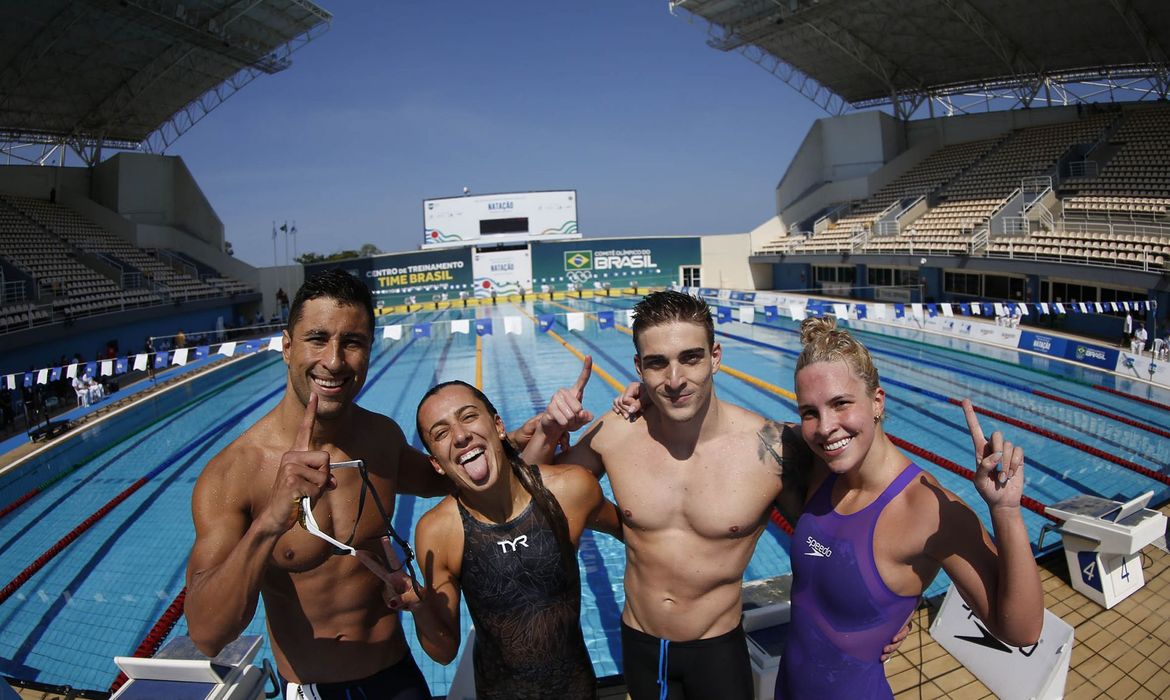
{"x": 526, "y": 609}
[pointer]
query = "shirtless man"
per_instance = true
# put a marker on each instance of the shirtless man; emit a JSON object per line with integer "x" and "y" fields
{"x": 694, "y": 481}
{"x": 327, "y": 620}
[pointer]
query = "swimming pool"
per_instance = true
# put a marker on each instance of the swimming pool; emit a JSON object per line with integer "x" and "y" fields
{"x": 102, "y": 594}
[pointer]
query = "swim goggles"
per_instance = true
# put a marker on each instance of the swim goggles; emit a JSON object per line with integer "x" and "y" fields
{"x": 346, "y": 548}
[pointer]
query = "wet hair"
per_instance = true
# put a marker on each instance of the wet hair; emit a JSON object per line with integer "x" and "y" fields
{"x": 542, "y": 498}
{"x": 659, "y": 308}
{"x": 336, "y": 284}
{"x": 824, "y": 342}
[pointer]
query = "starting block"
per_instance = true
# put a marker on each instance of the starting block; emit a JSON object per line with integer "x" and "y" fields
{"x": 767, "y": 606}
{"x": 1103, "y": 540}
{"x": 180, "y": 672}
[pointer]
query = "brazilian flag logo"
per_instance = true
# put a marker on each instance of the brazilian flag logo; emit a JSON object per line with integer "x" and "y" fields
{"x": 578, "y": 260}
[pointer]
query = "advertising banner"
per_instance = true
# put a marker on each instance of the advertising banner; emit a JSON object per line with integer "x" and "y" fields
{"x": 410, "y": 277}
{"x": 1043, "y": 343}
{"x": 1093, "y": 355}
{"x": 502, "y": 272}
{"x": 618, "y": 262}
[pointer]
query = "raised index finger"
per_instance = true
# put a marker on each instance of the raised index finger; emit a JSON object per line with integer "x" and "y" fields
{"x": 583, "y": 378}
{"x": 305, "y": 433}
{"x": 973, "y": 424}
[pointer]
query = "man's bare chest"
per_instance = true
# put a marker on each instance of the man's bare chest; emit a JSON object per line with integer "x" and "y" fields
{"x": 708, "y": 496}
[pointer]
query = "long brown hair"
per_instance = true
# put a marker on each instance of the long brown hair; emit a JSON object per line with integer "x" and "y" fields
{"x": 542, "y": 498}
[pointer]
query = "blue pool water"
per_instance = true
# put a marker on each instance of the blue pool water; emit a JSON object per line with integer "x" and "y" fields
{"x": 103, "y": 593}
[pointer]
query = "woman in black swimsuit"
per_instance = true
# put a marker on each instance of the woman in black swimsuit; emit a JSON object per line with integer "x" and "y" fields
{"x": 507, "y": 540}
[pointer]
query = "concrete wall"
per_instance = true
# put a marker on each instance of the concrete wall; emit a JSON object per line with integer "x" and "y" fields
{"x": 842, "y": 151}
{"x": 767, "y": 231}
{"x": 725, "y": 263}
{"x": 159, "y": 191}
{"x": 39, "y": 181}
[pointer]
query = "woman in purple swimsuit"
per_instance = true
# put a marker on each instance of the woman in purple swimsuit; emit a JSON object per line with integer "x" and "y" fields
{"x": 876, "y": 529}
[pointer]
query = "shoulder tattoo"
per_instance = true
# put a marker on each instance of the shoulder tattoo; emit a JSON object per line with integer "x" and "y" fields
{"x": 770, "y": 436}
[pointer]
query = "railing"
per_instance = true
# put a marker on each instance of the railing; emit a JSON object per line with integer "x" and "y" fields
{"x": 1047, "y": 220}
{"x": 1109, "y": 227}
{"x": 859, "y": 239}
{"x": 1083, "y": 168}
{"x": 1147, "y": 263}
{"x": 1035, "y": 184}
{"x": 887, "y": 228}
{"x": 14, "y": 292}
{"x": 1013, "y": 226}
{"x": 832, "y": 215}
{"x": 177, "y": 264}
{"x": 979, "y": 242}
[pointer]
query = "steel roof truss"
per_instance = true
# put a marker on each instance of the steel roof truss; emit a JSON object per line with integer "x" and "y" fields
{"x": 1159, "y": 63}
{"x": 892, "y": 75}
{"x": 1028, "y": 75}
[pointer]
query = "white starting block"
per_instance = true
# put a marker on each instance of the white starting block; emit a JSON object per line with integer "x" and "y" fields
{"x": 1012, "y": 673}
{"x": 767, "y": 605}
{"x": 180, "y": 672}
{"x": 1103, "y": 540}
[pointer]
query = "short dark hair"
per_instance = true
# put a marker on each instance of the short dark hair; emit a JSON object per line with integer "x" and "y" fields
{"x": 336, "y": 284}
{"x": 658, "y": 308}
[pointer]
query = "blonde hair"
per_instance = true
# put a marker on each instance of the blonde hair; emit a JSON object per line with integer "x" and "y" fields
{"x": 824, "y": 342}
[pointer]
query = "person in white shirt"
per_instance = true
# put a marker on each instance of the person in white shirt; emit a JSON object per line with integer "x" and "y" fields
{"x": 1138, "y": 344}
{"x": 95, "y": 389}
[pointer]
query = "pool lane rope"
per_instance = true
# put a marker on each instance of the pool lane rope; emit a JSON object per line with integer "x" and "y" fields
{"x": 1140, "y": 399}
{"x": 1043, "y": 432}
{"x": 68, "y": 539}
{"x": 775, "y": 516}
{"x": 1161, "y": 432}
{"x": 29, "y": 496}
{"x": 155, "y": 637}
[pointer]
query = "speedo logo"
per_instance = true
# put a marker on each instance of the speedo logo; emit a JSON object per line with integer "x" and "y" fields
{"x": 818, "y": 549}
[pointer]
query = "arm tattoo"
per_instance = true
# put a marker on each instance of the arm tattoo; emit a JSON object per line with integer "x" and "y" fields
{"x": 769, "y": 438}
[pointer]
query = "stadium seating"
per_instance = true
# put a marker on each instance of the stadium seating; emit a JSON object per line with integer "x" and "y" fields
{"x": 1120, "y": 216}
{"x": 81, "y": 269}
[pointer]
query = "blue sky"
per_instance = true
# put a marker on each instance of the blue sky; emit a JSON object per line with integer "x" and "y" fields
{"x": 402, "y": 101}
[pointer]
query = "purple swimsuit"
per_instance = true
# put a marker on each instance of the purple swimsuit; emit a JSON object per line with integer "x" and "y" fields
{"x": 842, "y": 612}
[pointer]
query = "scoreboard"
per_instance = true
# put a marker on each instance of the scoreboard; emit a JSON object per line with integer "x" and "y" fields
{"x": 492, "y": 219}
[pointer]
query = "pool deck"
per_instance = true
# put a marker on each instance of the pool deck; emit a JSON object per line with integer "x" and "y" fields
{"x": 1118, "y": 654}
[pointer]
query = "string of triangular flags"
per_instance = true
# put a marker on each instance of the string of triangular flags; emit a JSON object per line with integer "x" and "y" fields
{"x": 882, "y": 311}
{"x": 138, "y": 362}
{"x": 574, "y": 321}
